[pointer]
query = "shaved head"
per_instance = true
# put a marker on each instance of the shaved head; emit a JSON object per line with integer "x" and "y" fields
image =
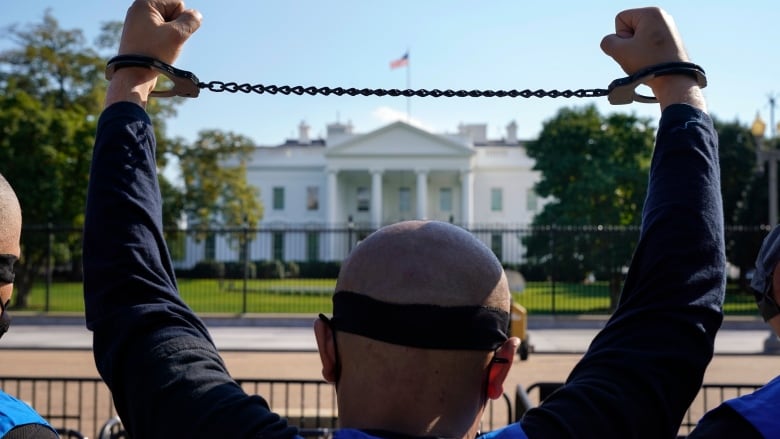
{"x": 10, "y": 229}
{"x": 10, "y": 218}
{"x": 419, "y": 272}
{"x": 425, "y": 262}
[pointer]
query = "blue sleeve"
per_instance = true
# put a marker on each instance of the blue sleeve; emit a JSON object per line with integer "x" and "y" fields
{"x": 153, "y": 352}
{"x": 17, "y": 417}
{"x": 723, "y": 422}
{"x": 645, "y": 367}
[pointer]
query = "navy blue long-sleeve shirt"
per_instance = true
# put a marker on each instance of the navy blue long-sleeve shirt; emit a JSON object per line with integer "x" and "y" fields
{"x": 636, "y": 380}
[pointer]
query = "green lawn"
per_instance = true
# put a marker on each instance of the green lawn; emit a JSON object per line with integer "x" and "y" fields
{"x": 213, "y": 296}
{"x": 312, "y": 296}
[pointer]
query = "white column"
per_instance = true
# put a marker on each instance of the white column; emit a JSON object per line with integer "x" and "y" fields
{"x": 331, "y": 194}
{"x": 422, "y": 194}
{"x": 376, "y": 197}
{"x": 467, "y": 196}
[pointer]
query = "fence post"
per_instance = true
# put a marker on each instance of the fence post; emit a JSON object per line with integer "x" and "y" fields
{"x": 245, "y": 244}
{"x": 49, "y": 263}
{"x": 552, "y": 268}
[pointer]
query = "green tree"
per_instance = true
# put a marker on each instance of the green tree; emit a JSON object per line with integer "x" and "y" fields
{"x": 51, "y": 93}
{"x": 217, "y": 193}
{"x": 745, "y": 187}
{"x": 737, "y": 151}
{"x": 50, "y": 85}
{"x": 594, "y": 168}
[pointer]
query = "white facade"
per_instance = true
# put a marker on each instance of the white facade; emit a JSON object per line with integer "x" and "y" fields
{"x": 397, "y": 172}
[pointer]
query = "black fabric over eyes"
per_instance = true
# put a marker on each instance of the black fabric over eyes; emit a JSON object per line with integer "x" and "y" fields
{"x": 7, "y": 268}
{"x": 420, "y": 325}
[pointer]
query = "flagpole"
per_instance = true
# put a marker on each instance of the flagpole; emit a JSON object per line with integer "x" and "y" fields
{"x": 408, "y": 86}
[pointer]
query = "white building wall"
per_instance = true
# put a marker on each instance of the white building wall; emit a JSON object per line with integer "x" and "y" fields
{"x": 399, "y": 152}
{"x": 295, "y": 183}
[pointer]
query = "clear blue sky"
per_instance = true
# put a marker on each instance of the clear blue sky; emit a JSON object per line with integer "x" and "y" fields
{"x": 498, "y": 44}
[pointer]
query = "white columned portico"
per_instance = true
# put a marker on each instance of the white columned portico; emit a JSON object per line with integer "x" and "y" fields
{"x": 376, "y": 197}
{"x": 467, "y": 196}
{"x": 422, "y": 193}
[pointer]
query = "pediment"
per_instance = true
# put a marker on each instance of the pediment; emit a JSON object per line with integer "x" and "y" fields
{"x": 399, "y": 139}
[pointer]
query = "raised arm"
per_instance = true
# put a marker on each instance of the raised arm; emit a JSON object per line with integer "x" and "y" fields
{"x": 165, "y": 374}
{"x": 644, "y": 368}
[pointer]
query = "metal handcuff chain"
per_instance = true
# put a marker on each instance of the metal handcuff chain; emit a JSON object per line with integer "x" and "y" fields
{"x": 619, "y": 92}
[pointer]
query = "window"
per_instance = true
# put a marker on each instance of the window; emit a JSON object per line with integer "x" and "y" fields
{"x": 277, "y": 249}
{"x": 210, "y": 251}
{"x": 497, "y": 244}
{"x": 445, "y": 199}
{"x": 531, "y": 200}
{"x": 278, "y": 201}
{"x": 312, "y": 246}
{"x": 243, "y": 252}
{"x": 363, "y": 200}
{"x": 312, "y": 198}
{"x": 177, "y": 244}
{"x": 496, "y": 199}
{"x": 404, "y": 199}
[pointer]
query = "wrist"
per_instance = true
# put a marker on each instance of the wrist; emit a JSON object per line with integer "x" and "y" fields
{"x": 132, "y": 84}
{"x": 677, "y": 89}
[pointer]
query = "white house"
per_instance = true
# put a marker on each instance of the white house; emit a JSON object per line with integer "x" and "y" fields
{"x": 397, "y": 172}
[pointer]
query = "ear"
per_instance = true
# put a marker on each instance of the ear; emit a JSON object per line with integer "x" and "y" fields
{"x": 327, "y": 350}
{"x": 6, "y": 291}
{"x": 500, "y": 370}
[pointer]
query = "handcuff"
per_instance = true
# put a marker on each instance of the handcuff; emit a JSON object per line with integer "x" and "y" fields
{"x": 619, "y": 92}
{"x": 623, "y": 90}
{"x": 185, "y": 83}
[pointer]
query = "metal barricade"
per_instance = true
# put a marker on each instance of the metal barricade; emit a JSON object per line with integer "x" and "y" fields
{"x": 75, "y": 406}
{"x": 710, "y": 396}
{"x": 83, "y": 407}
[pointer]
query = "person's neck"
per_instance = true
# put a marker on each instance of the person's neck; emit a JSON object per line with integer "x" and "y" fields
{"x": 396, "y": 424}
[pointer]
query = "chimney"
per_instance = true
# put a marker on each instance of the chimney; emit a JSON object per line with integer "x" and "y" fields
{"x": 511, "y": 133}
{"x": 303, "y": 133}
{"x": 476, "y": 132}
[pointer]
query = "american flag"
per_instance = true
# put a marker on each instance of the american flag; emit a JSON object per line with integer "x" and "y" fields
{"x": 400, "y": 62}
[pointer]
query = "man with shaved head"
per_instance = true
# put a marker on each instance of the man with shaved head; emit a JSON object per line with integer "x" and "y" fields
{"x": 418, "y": 303}
{"x": 10, "y": 235}
{"x": 418, "y": 341}
{"x": 17, "y": 419}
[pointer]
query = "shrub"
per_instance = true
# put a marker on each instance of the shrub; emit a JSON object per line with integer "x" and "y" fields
{"x": 293, "y": 270}
{"x": 235, "y": 270}
{"x": 319, "y": 269}
{"x": 208, "y": 269}
{"x": 270, "y": 269}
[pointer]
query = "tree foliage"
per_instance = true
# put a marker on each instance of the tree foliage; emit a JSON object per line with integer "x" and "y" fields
{"x": 737, "y": 151}
{"x": 217, "y": 193}
{"x": 51, "y": 94}
{"x": 594, "y": 168}
{"x": 50, "y": 89}
{"x": 745, "y": 188}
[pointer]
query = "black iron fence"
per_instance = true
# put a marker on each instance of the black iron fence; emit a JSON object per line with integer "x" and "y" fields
{"x": 710, "y": 396}
{"x": 82, "y": 407}
{"x": 285, "y": 269}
